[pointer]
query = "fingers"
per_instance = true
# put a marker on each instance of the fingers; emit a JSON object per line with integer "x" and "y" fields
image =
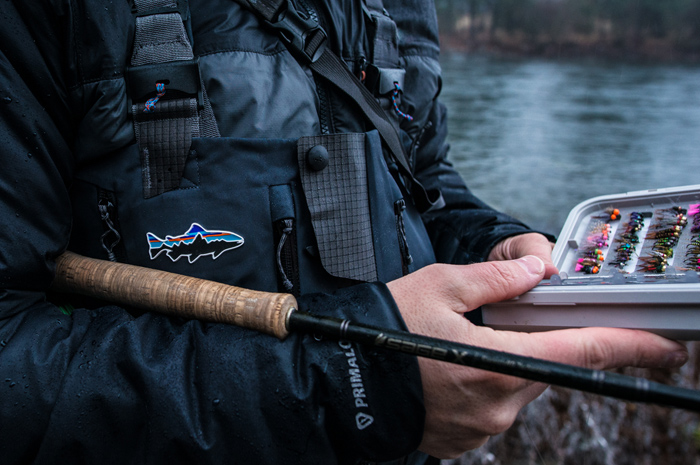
{"x": 494, "y": 400}
{"x": 595, "y": 348}
{"x": 606, "y": 348}
{"x": 526, "y": 244}
{"x": 490, "y": 282}
{"x": 464, "y": 406}
{"x": 432, "y": 299}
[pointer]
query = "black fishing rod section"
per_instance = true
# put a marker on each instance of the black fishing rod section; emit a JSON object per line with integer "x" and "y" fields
{"x": 608, "y": 384}
{"x": 276, "y": 314}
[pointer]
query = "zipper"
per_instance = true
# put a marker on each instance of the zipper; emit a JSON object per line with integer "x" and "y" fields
{"x": 325, "y": 110}
{"x": 325, "y": 113}
{"x": 415, "y": 145}
{"x": 111, "y": 237}
{"x": 287, "y": 261}
{"x": 406, "y": 258}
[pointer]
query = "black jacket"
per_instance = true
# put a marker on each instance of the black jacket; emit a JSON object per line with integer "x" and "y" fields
{"x": 103, "y": 386}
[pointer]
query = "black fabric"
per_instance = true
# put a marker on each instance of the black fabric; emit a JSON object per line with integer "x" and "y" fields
{"x": 101, "y": 386}
{"x": 384, "y": 37}
{"x": 329, "y": 66}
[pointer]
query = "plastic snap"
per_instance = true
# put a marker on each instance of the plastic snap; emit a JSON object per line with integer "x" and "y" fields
{"x": 317, "y": 157}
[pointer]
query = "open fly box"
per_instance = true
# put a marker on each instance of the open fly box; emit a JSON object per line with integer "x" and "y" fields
{"x": 625, "y": 261}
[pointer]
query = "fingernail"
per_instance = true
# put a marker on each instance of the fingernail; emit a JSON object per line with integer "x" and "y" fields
{"x": 531, "y": 264}
{"x": 676, "y": 359}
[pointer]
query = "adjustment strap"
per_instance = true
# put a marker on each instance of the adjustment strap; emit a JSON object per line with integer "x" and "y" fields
{"x": 307, "y": 41}
{"x": 165, "y": 74}
{"x": 383, "y": 34}
{"x": 330, "y": 67}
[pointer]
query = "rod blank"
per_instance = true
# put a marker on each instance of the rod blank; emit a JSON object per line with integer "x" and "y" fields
{"x": 275, "y": 314}
{"x": 615, "y": 385}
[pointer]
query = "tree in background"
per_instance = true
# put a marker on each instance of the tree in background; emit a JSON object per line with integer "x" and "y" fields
{"x": 619, "y": 23}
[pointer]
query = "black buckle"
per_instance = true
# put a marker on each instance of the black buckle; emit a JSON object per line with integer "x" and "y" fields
{"x": 179, "y": 77}
{"x": 380, "y": 81}
{"x": 300, "y": 33}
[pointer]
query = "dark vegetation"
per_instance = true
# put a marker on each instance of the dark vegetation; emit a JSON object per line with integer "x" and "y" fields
{"x": 667, "y": 30}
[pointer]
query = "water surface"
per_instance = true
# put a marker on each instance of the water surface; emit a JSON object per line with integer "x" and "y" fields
{"x": 535, "y": 137}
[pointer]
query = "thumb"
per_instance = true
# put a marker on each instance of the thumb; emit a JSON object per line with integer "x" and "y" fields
{"x": 490, "y": 282}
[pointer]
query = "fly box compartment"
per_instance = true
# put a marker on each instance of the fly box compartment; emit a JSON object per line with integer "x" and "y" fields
{"x": 625, "y": 261}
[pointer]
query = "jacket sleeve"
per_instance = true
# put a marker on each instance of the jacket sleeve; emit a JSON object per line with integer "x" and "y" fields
{"x": 466, "y": 229}
{"x": 100, "y": 386}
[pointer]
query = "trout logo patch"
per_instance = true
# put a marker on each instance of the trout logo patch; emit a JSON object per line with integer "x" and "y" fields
{"x": 195, "y": 243}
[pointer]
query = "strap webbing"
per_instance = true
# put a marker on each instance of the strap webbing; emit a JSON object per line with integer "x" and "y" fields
{"x": 330, "y": 67}
{"x": 384, "y": 35}
{"x": 164, "y": 133}
{"x": 279, "y": 13}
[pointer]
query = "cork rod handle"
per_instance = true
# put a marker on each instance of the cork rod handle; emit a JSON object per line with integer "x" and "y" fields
{"x": 174, "y": 294}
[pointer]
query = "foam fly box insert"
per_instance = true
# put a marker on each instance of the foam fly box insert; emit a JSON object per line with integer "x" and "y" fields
{"x": 626, "y": 261}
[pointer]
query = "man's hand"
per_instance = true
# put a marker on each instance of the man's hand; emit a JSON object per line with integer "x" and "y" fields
{"x": 526, "y": 244}
{"x": 464, "y": 406}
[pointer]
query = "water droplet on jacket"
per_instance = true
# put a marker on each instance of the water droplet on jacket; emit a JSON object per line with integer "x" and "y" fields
{"x": 216, "y": 401}
{"x": 13, "y": 384}
{"x": 7, "y": 100}
{"x": 29, "y": 154}
{"x": 3, "y": 343}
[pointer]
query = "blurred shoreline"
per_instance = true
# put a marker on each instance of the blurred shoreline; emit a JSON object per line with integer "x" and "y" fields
{"x": 638, "y": 50}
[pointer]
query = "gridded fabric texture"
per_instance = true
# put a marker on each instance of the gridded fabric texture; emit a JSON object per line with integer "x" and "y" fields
{"x": 165, "y": 136}
{"x": 338, "y": 199}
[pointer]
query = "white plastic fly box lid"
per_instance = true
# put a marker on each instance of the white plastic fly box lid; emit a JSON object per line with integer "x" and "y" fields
{"x": 626, "y": 261}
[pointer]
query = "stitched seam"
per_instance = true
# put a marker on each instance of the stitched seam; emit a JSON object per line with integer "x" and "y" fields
{"x": 93, "y": 81}
{"x": 74, "y": 39}
{"x": 197, "y": 182}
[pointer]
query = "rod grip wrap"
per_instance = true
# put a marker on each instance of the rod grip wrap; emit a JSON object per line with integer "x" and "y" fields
{"x": 174, "y": 294}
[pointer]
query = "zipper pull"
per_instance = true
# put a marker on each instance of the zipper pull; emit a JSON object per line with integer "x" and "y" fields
{"x": 406, "y": 258}
{"x": 106, "y": 207}
{"x": 287, "y": 226}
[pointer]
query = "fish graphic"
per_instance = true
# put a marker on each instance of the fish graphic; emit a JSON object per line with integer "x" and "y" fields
{"x": 196, "y": 242}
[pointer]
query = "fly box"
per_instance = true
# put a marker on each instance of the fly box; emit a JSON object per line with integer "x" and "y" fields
{"x": 625, "y": 261}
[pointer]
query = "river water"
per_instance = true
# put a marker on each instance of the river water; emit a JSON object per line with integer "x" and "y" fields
{"x": 535, "y": 137}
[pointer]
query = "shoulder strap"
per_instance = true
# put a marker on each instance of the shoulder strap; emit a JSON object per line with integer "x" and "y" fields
{"x": 167, "y": 100}
{"x": 306, "y": 39}
{"x": 384, "y": 71}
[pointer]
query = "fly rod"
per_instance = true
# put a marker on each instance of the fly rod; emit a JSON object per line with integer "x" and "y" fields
{"x": 276, "y": 314}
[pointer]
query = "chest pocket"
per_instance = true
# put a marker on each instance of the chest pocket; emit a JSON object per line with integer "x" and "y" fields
{"x": 316, "y": 229}
{"x": 360, "y": 219}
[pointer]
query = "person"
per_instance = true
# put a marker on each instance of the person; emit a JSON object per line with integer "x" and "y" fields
{"x": 267, "y": 176}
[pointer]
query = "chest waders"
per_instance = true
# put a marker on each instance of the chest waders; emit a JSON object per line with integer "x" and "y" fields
{"x": 306, "y": 215}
